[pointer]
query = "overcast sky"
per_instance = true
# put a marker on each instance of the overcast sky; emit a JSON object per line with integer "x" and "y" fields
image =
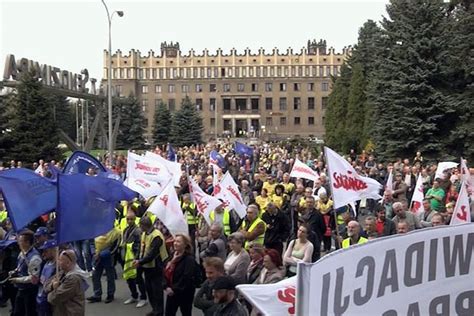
{"x": 72, "y": 34}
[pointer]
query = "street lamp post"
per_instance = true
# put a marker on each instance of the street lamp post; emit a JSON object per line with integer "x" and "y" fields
{"x": 109, "y": 80}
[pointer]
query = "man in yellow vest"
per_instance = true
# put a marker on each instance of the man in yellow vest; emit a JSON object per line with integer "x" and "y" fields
{"x": 3, "y": 211}
{"x": 190, "y": 211}
{"x": 131, "y": 249}
{"x": 253, "y": 228}
{"x": 223, "y": 217}
{"x": 353, "y": 231}
{"x": 152, "y": 255}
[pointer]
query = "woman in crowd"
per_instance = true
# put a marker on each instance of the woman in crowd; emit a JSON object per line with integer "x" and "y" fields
{"x": 299, "y": 250}
{"x": 256, "y": 252}
{"x": 280, "y": 199}
{"x": 238, "y": 259}
{"x": 179, "y": 276}
{"x": 273, "y": 270}
{"x": 262, "y": 200}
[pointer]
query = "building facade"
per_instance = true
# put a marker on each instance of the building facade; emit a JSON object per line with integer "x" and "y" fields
{"x": 267, "y": 95}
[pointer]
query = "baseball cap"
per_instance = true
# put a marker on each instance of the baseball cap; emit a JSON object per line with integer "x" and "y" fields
{"x": 48, "y": 244}
{"x": 41, "y": 231}
{"x": 224, "y": 283}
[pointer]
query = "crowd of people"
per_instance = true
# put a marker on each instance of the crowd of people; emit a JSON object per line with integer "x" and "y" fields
{"x": 288, "y": 220}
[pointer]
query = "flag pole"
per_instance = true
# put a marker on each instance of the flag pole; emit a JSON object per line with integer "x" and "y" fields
{"x": 332, "y": 195}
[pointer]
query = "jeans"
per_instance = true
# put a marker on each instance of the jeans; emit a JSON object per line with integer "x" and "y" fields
{"x": 104, "y": 263}
{"x": 132, "y": 285}
{"x": 84, "y": 255}
{"x": 25, "y": 302}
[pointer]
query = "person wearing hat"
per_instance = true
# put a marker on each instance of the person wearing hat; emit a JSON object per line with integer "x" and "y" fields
{"x": 49, "y": 251}
{"x": 41, "y": 236}
{"x": 225, "y": 295}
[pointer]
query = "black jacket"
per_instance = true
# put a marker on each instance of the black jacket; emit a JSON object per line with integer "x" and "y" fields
{"x": 183, "y": 275}
{"x": 204, "y": 300}
{"x": 389, "y": 228}
{"x": 233, "y": 308}
{"x": 278, "y": 227}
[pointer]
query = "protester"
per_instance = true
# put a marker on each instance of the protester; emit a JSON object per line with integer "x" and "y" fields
{"x": 383, "y": 225}
{"x": 427, "y": 214}
{"x": 402, "y": 227}
{"x": 313, "y": 218}
{"x": 272, "y": 271}
{"x": 204, "y": 300}
{"x": 325, "y": 206}
{"x": 299, "y": 250}
{"x": 436, "y": 196}
{"x": 253, "y": 228}
{"x": 256, "y": 253}
{"x": 49, "y": 250}
{"x": 354, "y": 237}
{"x": 401, "y": 214}
{"x": 226, "y": 296}
{"x": 238, "y": 259}
{"x": 223, "y": 217}
{"x": 370, "y": 227}
{"x": 217, "y": 243}
{"x": 277, "y": 227}
{"x": 437, "y": 220}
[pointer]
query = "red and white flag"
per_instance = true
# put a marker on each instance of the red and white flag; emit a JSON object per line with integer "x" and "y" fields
{"x": 174, "y": 168}
{"x": 228, "y": 191}
{"x": 205, "y": 203}
{"x": 301, "y": 170}
{"x": 418, "y": 196}
{"x": 141, "y": 167}
{"x": 145, "y": 188}
{"x": 277, "y": 299}
{"x": 462, "y": 210}
{"x": 167, "y": 208}
{"x": 215, "y": 174}
{"x": 467, "y": 178}
{"x": 347, "y": 186}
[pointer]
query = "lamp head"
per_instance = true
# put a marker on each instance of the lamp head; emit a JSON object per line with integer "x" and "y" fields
{"x": 120, "y": 13}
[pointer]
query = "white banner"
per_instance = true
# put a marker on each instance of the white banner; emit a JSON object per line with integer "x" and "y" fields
{"x": 167, "y": 208}
{"x": 301, "y": 170}
{"x": 389, "y": 185}
{"x": 444, "y": 166}
{"x": 141, "y": 167}
{"x": 418, "y": 196}
{"x": 174, "y": 168}
{"x": 145, "y": 188}
{"x": 205, "y": 203}
{"x": 277, "y": 299}
{"x": 425, "y": 272}
{"x": 467, "y": 178}
{"x": 347, "y": 186}
{"x": 228, "y": 191}
{"x": 462, "y": 210}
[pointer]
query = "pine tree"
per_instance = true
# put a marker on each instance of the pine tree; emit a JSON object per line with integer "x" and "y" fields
{"x": 34, "y": 133}
{"x": 408, "y": 108}
{"x": 187, "y": 127}
{"x": 162, "y": 125}
{"x": 356, "y": 105}
{"x": 5, "y": 125}
{"x": 132, "y": 124}
{"x": 64, "y": 115}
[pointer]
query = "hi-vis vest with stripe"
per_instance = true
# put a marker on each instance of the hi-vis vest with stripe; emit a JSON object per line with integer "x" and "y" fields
{"x": 3, "y": 215}
{"x": 146, "y": 244}
{"x": 190, "y": 211}
{"x": 225, "y": 220}
{"x": 346, "y": 243}
{"x": 129, "y": 272}
{"x": 261, "y": 237}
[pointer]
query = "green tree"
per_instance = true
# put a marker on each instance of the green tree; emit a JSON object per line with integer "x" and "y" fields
{"x": 162, "y": 125}
{"x": 34, "y": 133}
{"x": 5, "y": 126}
{"x": 64, "y": 115}
{"x": 356, "y": 106}
{"x": 187, "y": 127}
{"x": 132, "y": 124}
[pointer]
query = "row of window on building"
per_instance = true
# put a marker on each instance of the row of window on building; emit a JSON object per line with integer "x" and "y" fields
{"x": 242, "y": 104}
{"x": 224, "y": 72}
{"x": 270, "y": 122}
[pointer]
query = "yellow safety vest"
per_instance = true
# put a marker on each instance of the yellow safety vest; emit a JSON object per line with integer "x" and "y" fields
{"x": 191, "y": 217}
{"x": 146, "y": 244}
{"x": 129, "y": 272}
{"x": 123, "y": 223}
{"x": 3, "y": 215}
{"x": 225, "y": 221}
{"x": 346, "y": 243}
{"x": 260, "y": 238}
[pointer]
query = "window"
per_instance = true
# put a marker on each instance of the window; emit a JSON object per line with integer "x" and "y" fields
{"x": 212, "y": 87}
{"x": 310, "y": 103}
{"x": 254, "y": 87}
{"x": 328, "y": 71}
{"x": 158, "y": 88}
{"x": 171, "y": 104}
{"x": 240, "y": 87}
{"x": 157, "y": 102}
{"x": 296, "y": 86}
{"x": 297, "y": 120}
{"x": 184, "y": 88}
{"x": 324, "y": 102}
{"x": 160, "y": 73}
{"x": 171, "y": 88}
{"x": 310, "y": 120}
{"x": 282, "y": 104}
{"x": 282, "y": 86}
{"x": 310, "y": 86}
{"x": 268, "y": 103}
{"x": 199, "y": 104}
{"x": 140, "y": 74}
{"x": 198, "y": 87}
{"x": 118, "y": 90}
{"x": 144, "y": 104}
{"x": 325, "y": 86}
{"x": 226, "y": 87}
{"x": 269, "y": 121}
{"x": 268, "y": 86}
{"x": 297, "y": 103}
{"x": 213, "y": 122}
{"x": 282, "y": 121}
{"x": 254, "y": 104}
{"x": 226, "y": 104}
{"x": 212, "y": 104}
{"x": 222, "y": 72}
{"x": 144, "y": 89}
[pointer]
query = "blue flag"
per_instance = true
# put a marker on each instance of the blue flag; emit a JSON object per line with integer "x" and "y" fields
{"x": 27, "y": 195}
{"x": 80, "y": 162}
{"x": 242, "y": 149}
{"x": 171, "y": 153}
{"x": 216, "y": 159}
{"x": 86, "y": 206}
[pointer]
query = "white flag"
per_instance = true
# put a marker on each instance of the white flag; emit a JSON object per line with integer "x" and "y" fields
{"x": 277, "y": 299}
{"x": 174, "y": 168}
{"x": 467, "y": 178}
{"x": 462, "y": 210}
{"x": 444, "y": 166}
{"x": 346, "y": 185}
{"x": 144, "y": 187}
{"x": 301, "y": 170}
{"x": 140, "y": 167}
{"x": 167, "y": 208}
{"x": 228, "y": 191}
{"x": 215, "y": 175}
{"x": 418, "y": 196}
{"x": 389, "y": 185}
{"x": 205, "y": 203}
